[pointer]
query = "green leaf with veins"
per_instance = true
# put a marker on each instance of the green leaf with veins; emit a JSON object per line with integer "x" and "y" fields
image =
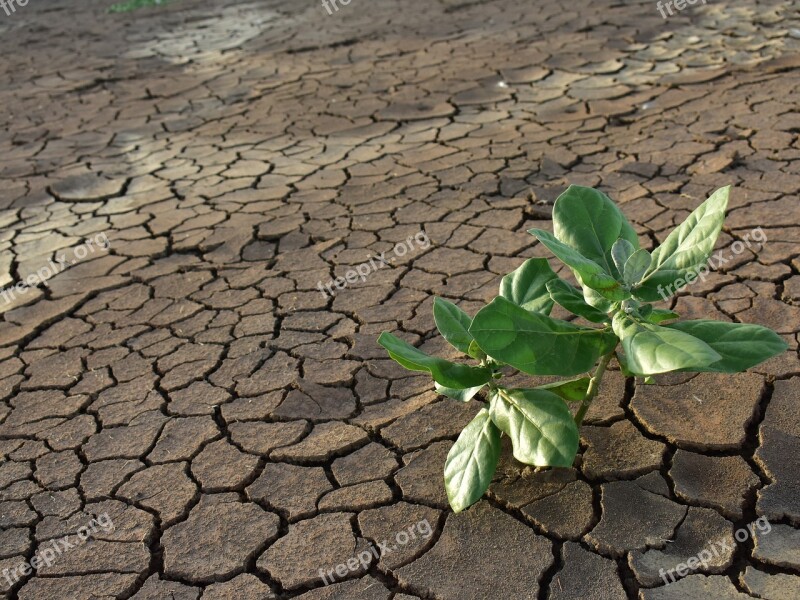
{"x": 471, "y": 462}
{"x": 589, "y": 222}
{"x": 571, "y": 390}
{"x": 595, "y": 299}
{"x": 453, "y": 323}
{"x": 741, "y": 345}
{"x": 527, "y": 285}
{"x": 651, "y": 349}
{"x": 535, "y": 343}
{"x": 444, "y": 372}
{"x": 623, "y": 364}
{"x": 539, "y": 424}
{"x": 588, "y": 272}
{"x": 462, "y": 395}
{"x": 659, "y": 315}
{"x": 475, "y": 351}
{"x": 686, "y": 249}
{"x": 620, "y": 252}
{"x": 570, "y": 298}
{"x": 636, "y": 266}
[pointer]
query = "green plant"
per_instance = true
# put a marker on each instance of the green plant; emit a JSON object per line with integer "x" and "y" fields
{"x": 618, "y": 281}
{"x": 132, "y": 5}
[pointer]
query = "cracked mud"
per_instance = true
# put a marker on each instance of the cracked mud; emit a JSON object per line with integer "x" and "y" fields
{"x": 242, "y": 429}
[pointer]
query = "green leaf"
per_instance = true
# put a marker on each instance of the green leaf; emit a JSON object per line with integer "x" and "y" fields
{"x": 587, "y": 271}
{"x": 526, "y": 286}
{"x": 542, "y": 430}
{"x": 589, "y": 222}
{"x": 474, "y": 350}
{"x": 601, "y": 303}
{"x": 658, "y": 315}
{"x": 741, "y": 345}
{"x": 623, "y": 364}
{"x": 570, "y": 298}
{"x": 462, "y": 395}
{"x": 621, "y": 251}
{"x": 444, "y": 372}
{"x": 572, "y": 390}
{"x": 471, "y": 462}
{"x": 636, "y": 266}
{"x": 535, "y": 343}
{"x": 453, "y": 323}
{"x": 686, "y": 249}
{"x": 651, "y": 349}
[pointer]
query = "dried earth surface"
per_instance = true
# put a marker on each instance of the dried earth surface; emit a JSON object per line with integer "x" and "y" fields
{"x": 242, "y": 429}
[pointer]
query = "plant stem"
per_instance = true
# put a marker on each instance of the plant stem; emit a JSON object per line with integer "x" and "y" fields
{"x": 594, "y": 386}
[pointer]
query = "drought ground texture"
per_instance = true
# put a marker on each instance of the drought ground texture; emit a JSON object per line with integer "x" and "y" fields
{"x": 242, "y": 429}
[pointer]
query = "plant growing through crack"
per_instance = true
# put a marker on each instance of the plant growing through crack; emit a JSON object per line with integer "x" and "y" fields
{"x": 618, "y": 281}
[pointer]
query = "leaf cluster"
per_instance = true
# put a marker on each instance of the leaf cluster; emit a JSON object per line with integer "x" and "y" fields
{"x": 618, "y": 281}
